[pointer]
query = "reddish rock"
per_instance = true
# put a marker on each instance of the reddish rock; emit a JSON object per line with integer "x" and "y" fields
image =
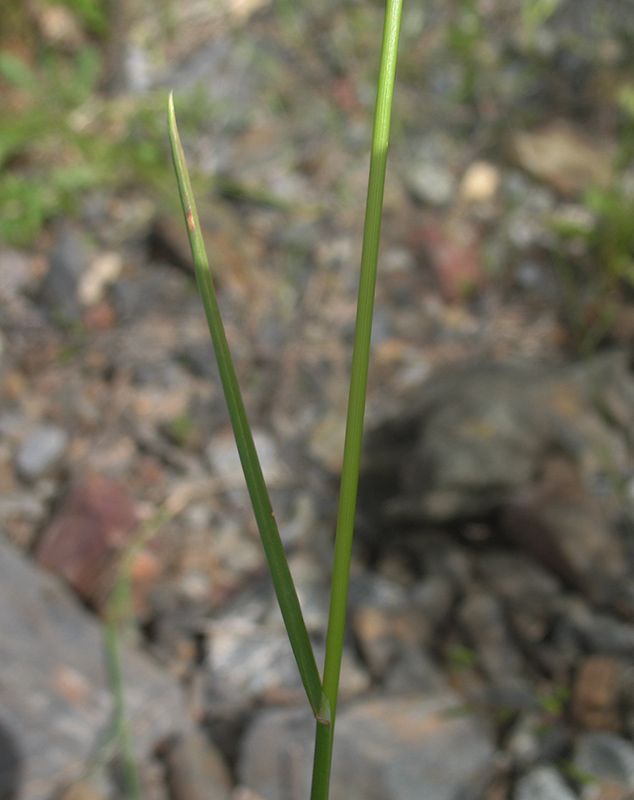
{"x": 93, "y": 523}
{"x": 100, "y": 317}
{"x": 454, "y": 254}
{"x": 345, "y": 95}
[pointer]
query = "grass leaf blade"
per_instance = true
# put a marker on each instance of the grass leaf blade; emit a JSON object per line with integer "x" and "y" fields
{"x": 271, "y": 541}
{"x": 358, "y": 390}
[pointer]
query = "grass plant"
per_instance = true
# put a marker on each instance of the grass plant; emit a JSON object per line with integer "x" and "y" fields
{"x": 322, "y": 695}
{"x": 118, "y": 619}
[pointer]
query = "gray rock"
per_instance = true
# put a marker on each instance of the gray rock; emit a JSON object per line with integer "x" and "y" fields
{"x": 367, "y": 588}
{"x": 434, "y": 595}
{"x": 427, "y": 172}
{"x": 385, "y": 622}
{"x": 534, "y": 738}
{"x": 543, "y": 783}
{"x": 25, "y": 506}
{"x": 383, "y": 635}
{"x": 66, "y": 262}
{"x": 385, "y": 749}
{"x": 13, "y": 425}
{"x": 10, "y": 765}
{"x": 16, "y": 276}
{"x": 599, "y": 633}
{"x": 518, "y": 579}
{"x": 440, "y": 555}
{"x": 222, "y": 454}
{"x": 606, "y": 757}
{"x": 431, "y": 183}
{"x": 41, "y": 451}
{"x": 195, "y": 770}
{"x": 481, "y": 616}
{"x": 535, "y": 442}
{"x": 247, "y": 663}
{"x": 55, "y": 702}
{"x": 414, "y": 672}
{"x": 199, "y": 359}
{"x": 250, "y": 663}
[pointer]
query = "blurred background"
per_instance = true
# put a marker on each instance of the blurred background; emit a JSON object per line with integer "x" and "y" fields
{"x": 506, "y": 268}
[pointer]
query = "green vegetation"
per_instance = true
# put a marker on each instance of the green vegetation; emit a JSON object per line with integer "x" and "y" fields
{"x": 60, "y": 136}
{"x": 556, "y": 701}
{"x": 65, "y": 142}
{"x": 322, "y": 696}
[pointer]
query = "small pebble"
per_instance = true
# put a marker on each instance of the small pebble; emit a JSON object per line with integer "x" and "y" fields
{"x": 41, "y": 451}
{"x": 606, "y": 757}
{"x": 480, "y": 182}
{"x": 542, "y": 783}
{"x": 431, "y": 183}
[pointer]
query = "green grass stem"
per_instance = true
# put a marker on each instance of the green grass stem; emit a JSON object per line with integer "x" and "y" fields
{"x": 273, "y": 548}
{"x": 323, "y": 701}
{"x": 356, "y": 402}
{"x": 118, "y": 620}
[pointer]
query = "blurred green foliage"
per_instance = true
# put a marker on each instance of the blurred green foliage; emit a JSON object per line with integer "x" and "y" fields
{"x": 61, "y": 136}
{"x": 93, "y": 14}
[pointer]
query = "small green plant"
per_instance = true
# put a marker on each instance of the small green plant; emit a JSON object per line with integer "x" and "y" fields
{"x": 118, "y": 620}
{"x": 322, "y": 694}
{"x": 536, "y": 13}
{"x": 462, "y": 657}
{"x": 555, "y": 701}
{"x": 61, "y": 138}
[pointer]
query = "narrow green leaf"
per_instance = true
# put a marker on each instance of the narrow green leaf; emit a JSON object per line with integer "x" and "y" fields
{"x": 356, "y": 400}
{"x": 273, "y": 548}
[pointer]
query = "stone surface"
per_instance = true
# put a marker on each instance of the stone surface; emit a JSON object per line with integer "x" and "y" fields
{"x": 535, "y": 738}
{"x": 94, "y": 521}
{"x": 250, "y": 663}
{"x": 223, "y": 457}
{"x": 533, "y": 441}
{"x": 11, "y": 760}
{"x": 195, "y": 770}
{"x": 55, "y": 702}
{"x": 543, "y": 783}
{"x": 453, "y": 250}
{"x": 40, "y": 452}
{"x": 383, "y": 634}
{"x": 385, "y": 622}
{"x": 596, "y": 693}
{"x": 599, "y": 633}
{"x": 562, "y": 524}
{"x": 482, "y": 617}
{"x": 407, "y": 748}
{"x": 414, "y": 672}
{"x": 67, "y": 261}
{"x": 82, "y": 790}
{"x": 428, "y": 175}
{"x": 326, "y": 441}
{"x": 606, "y": 757}
{"x": 102, "y": 272}
{"x": 434, "y": 596}
{"x": 563, "y": 157}
{"x": 480, "y": 182}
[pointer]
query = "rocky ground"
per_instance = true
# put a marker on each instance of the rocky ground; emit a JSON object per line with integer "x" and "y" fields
{"x": 491, "y": 624}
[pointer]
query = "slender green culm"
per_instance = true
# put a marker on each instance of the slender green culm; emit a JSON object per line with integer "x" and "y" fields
{"x": 118, "y": 617}
{"x": 121, "y": 731}
{"x": 322, "y": 697}
{"x": 271, "y": 541}
{"x": 356, "y": 402}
